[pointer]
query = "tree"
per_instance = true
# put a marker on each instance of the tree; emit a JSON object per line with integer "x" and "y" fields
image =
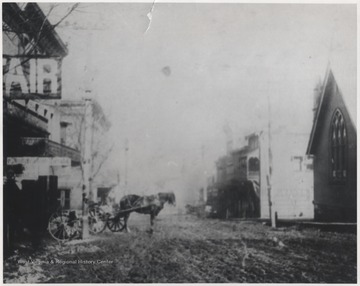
{"x": 29, "y": 29}
{"x": 74, "y": 118}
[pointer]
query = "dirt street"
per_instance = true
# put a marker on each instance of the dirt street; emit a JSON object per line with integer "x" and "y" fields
{"x": 187, "y": 249}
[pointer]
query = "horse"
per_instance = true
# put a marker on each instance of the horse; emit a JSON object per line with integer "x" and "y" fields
{"x": 151, "y": 205}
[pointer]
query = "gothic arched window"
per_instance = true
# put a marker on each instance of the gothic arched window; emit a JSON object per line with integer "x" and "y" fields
{"x": 338, "y": 147}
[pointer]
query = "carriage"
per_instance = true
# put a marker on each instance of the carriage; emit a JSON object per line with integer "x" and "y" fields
{"x": 117, "y": 222}
{"x": 67, "y": 224}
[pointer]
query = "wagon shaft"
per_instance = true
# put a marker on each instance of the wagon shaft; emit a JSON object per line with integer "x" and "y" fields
{"x": 122, "y": 213}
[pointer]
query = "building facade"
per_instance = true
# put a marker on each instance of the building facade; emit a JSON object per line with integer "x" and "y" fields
{"x": 286, "y": 181}
{"x": 72, "y": 133}
{"x": 268, "y": 175}
{"x": 235, "y": 192}
{"x": 33, "y": 157}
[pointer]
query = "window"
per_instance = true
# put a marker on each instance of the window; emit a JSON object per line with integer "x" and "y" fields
{"x": 102, "y": 195}
{"x": 47, "y": 86}
{"x": 63, "y": 126}
{"x": 254, "y": 164}
{"x": 243, "y": 163}
{"x": 338, "y": 147}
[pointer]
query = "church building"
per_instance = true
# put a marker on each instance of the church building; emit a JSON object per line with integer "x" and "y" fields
{"x": 333, "y": 146}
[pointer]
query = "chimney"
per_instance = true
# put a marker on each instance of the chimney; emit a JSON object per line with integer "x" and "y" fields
{"x": 229, "y": 138}
{"x": 229, "y": 147}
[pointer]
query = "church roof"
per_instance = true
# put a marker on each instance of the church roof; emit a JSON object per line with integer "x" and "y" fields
{"x": 328, "y": 81}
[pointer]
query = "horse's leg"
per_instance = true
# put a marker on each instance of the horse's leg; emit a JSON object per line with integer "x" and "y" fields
{"x": 126, "y": 217}
{"x": 152, "y": 217}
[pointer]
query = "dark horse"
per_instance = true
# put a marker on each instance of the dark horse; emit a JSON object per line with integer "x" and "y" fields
{"x": 151, "y": 205}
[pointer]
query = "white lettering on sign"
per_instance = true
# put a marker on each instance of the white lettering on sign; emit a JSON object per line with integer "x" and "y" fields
{"x": 34, "y": 76}
{"x": 15, "y": 75}
{"x": 47, "y": 70}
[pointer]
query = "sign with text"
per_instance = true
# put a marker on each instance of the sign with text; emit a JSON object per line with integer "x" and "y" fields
{"x": 45, "y": 161}
{"x": 41, "y": 166}
{"x": 31, "y": 77}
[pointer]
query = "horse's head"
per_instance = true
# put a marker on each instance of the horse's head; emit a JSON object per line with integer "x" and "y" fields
{"x": 168, "y": 198}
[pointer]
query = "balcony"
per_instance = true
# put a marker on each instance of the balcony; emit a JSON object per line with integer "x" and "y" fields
{"x": 43, "y": 147}
{"x": 253, "y": 175}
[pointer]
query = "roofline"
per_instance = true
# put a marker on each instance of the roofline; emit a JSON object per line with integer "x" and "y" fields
{"x": 251, "y": 135}
{"x": 316, "y": 120}
{"x": 314, "y": 127}
{"x": 30, "y": 21}
{"x": 53, "y": 37}
{"x": 13, "y": 16}
{"x": 241, "y": 149}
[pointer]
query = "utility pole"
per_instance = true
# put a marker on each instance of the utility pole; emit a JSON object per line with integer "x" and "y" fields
{"x": 87, "y": 152}
{"x": 126, "y": 165}
{"x": 204, "y": 173}
{"x": 118, "y": 188}
{"x": 272, "y": 216}
{"x": 87, "y": 166}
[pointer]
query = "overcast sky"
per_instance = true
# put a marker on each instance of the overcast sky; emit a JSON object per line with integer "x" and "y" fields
{"x": 171, "y": 87}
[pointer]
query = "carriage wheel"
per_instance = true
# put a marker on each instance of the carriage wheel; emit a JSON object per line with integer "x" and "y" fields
{"x": 61, "y": 228}
{"x": 97, "y": 220}
{"x": 116, "y": 224}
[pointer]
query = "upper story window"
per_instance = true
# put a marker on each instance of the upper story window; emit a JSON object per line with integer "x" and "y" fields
{"x": 338, "y": 134}
{"x": 242, "y": 163}
{"x": 254, "y": 164}
{"x": 47, "y": 85}
{"x": 63, "y": 132}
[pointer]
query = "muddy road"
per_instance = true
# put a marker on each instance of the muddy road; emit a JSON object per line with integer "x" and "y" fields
{"x": 187, "y": 249}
